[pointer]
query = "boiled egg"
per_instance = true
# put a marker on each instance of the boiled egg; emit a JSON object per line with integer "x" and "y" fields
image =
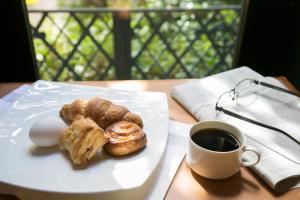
{"x": 46, "y": 131}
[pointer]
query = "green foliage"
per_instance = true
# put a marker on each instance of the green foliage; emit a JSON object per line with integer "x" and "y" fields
{"x": 146, "y": 3}
{"x": 165, "y": 45}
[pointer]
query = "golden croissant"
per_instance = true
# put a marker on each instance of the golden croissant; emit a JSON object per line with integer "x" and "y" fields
{"x": 102, "y": 111}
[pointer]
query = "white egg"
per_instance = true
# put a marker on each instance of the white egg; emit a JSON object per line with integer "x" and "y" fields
{"x": 46, "y": 131}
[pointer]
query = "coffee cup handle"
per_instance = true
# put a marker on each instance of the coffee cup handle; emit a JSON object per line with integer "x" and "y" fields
{"x": 253, "y": 149}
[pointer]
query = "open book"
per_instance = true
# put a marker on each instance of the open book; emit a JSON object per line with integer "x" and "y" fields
{"x": 280, "y": 161}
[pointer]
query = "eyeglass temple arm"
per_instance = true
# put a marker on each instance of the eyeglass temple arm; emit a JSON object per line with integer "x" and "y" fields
{"x": 276, "y": 88}
{"x": 255, "y": 122}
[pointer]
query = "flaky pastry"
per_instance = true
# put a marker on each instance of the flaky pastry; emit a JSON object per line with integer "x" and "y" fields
{"x": 125, "y": 138}
{"x": 83, "y": 138}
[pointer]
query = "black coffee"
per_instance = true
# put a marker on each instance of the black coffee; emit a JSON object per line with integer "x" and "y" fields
{"x": 216, "y": 140}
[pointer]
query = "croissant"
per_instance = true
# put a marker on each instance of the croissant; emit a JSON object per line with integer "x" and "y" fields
{"x": 102, "y": 111}
{"x": 125, "y": 138}
{"x": 74, "y": 110}
{"x": 82, "y": 139}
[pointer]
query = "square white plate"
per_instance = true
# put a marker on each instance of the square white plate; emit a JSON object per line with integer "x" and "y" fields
{"x": 22, "y": 164}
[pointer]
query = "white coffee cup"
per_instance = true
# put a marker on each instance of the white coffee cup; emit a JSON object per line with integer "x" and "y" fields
{"x": 216, "y": 164}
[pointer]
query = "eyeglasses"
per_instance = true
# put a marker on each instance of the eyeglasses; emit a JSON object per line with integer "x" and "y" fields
{"x": 245, "y": 93}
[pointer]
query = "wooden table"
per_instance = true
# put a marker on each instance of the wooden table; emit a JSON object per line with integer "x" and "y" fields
{"x": 186, "y": 184}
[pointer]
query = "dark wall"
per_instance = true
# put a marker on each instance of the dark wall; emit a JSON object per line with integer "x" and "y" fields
{"x": 270, "y": 43}
{"x": 17, "y": 58}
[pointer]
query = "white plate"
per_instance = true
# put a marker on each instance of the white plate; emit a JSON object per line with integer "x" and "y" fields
{"x": 22, "y": 164}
